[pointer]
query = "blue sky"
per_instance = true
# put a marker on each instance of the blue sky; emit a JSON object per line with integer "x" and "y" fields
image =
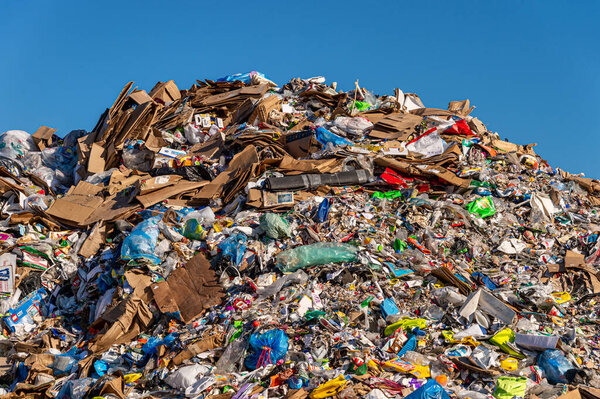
{"x": 530, "y": 68}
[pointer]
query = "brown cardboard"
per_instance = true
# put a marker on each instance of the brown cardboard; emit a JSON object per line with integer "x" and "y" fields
{"x": 122, "y": 323}
{"x": 204, "y": 344}
{"x": 141, "y": 284}
{"x": 96, "y": 161}
{"x": 165, "y": 92}
{"x": 154, "y": 183}
{"x": 94, "y": 241}
{"x": 169, "y": 191}
{"x": 262, "y": 110}
{"x": 291, "y": 166}
{"x": 423, "y": 170}
{"x": 189, "y": 290}
{"x": 574, "y": 259}
{"x": 461, "y": 108}
{"x": 300, "y": 144}
{"x": 396, "y": 126}
{"x": 43, "y": 137}
{"x": 74, "y": 208}
{"x": 241, "y": 161}
{"x": 114, "y": 387}
{"x": 140, "y": 97}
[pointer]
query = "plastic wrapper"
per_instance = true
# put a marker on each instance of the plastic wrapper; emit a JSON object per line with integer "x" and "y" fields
{"x": 483, "y": 207}
{"x": 315, "y": 254}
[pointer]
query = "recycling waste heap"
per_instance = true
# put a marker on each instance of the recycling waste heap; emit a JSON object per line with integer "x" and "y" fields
{"x": 243, "y": 240}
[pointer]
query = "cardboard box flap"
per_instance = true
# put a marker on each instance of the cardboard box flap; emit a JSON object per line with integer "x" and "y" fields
{"x": 43, "y": 137}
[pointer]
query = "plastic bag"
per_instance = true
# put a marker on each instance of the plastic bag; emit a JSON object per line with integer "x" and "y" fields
{"x": 509, "y": 387}
{"x": 329, "y": 388}
{"x": 323, "y": 211}
{"x": 428, "y": 145}
{"x": 185, "y": 376}
{"x": 274, "y": 226}
{"x": 324, "y": 136}
{"x": 357, "y": 126}
{"x": 556, "y": 366}
{"x": 193, "y": 230}
{"x": 136, "y": 158}
{"x": 16, "y": 144}
{"x": 430, "y": 390}
{"x": 315, "y": 254}
{"x": 268, "y": 348}
{"x": 484, "y": 207}
{"x": 142, "y": 241}
{"x": 234, "y": 247}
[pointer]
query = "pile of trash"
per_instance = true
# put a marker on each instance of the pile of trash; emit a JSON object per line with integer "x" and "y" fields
{"x": 243, "y": 240}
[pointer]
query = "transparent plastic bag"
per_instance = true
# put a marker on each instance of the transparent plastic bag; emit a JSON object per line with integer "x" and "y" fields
{"x": 556, "y": 366}
{"x": 315, "y": 254}
{"x": 16, "y": 144}
{"x": 138, "y": 159}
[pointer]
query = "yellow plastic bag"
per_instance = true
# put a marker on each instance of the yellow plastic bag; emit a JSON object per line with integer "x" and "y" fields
{"x": 406, "y": 323}
{"x": 502, "y": 338}
{"x": 561, "y": 297}
{"x": 329, "y": 388}
{"x": 509, "y": 363}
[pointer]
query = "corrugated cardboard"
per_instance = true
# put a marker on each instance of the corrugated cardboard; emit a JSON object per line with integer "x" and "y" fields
{"x": 396, "y": 126}
{"x": 43, "y": 137}
{"x": 165, "y": 92}
{"x": 189, "y": 290}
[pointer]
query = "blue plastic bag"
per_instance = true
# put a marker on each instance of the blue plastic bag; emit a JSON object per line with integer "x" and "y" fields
{"x": 268, "y": 348}
{"x": 140, "y": 243}
{"x": 242, "y": 77}
{"x": 323, "y": 211}
{"x": 482, "y": 279}
{"x": 556, "y": 366}
{"x": 324, "y": 136}
{"x": 233, "y": 247}
{"x": 430, "y": 390}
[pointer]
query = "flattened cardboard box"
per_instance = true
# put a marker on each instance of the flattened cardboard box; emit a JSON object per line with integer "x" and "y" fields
{"x": 189, "y": 290}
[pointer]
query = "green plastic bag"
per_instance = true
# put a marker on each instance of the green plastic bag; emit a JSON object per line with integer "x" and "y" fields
{"x": 274, "y": 226}
{"x": 315, "y": 254}
{"x": 483, "y": 206}
{"x": 361, "y": 105}
{"x": 387, "y": 195}
{"x": 509, "y": 387}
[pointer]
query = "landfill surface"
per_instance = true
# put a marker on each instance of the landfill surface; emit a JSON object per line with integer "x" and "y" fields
{"x": 240, "y": 239}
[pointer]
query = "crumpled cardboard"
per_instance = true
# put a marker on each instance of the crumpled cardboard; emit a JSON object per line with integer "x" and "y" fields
{"x": 125, "y": 321}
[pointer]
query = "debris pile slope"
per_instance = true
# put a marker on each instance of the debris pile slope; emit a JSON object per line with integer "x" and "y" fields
{"x": 243, "y": 240}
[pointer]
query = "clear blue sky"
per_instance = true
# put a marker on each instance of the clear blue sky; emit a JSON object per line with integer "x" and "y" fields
{"x": 531, "y": 68}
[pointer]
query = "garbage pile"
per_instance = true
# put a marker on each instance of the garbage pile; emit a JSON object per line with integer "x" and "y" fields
{"x": 243, "y": 240}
